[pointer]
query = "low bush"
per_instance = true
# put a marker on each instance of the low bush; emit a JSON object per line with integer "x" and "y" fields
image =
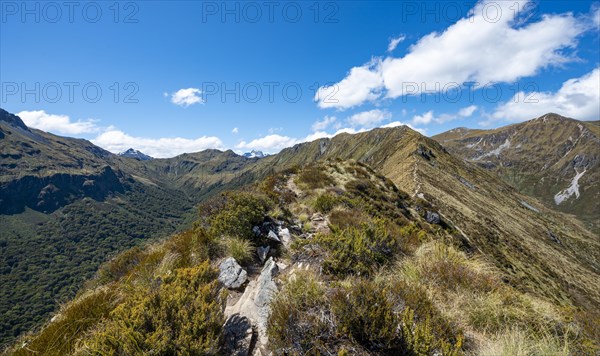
{"x": 300, "y": 321}
{"x": 341, "y": 219}
{"x": 450, "y": 269}
{"x": 238, "y": 214}
{"x": 364, "y": 313}
{"x": 75, "y": 319}
{"x": 182, "y": 314}
{"x": 314, "y": 177}
{"x": 324, "y": 203}
{"x": 357, "y": 250}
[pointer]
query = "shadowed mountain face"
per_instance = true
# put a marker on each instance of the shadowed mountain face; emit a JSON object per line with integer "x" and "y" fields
{"x": 538, "y": 249}
{"x": 552, "y": 158}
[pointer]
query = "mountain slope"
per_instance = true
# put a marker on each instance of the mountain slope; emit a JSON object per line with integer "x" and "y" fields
{"x": 497, "y": 220}
{"x": 538, "y": 250}
{"x": 352, "y": 266}
{"x": 552, "y": 158}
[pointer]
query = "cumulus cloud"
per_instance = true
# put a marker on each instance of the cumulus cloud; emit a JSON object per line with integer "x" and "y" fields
{"x": 187, "y": 97}
{"x": 399, "y": 123}
{"x": 360, "y": 85}
{"x": 394, "y": 42}
{"x": 325, "y": 123}
{"x": 369, "y": 118}
{"x": 429, "y": 117}
{"x": 480, "y": 48}
{"x": 235, "y": 130}
{"x": 578, "y": 98}
{"x": 468, "y": 111}
{"x": 58, "y": 124}
{"x": 117, "y": 141}
{"x": 269, "y": 143}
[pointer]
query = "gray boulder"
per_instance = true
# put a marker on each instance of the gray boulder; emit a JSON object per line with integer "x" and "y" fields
{"x": 231, "y": 274}
{"x": 273, "y": 236}
{"x": 262, "y": 252}
{"x": 266, "y": 290}
{"x": 237, "y": 336}
{"x": 432, "y": 218}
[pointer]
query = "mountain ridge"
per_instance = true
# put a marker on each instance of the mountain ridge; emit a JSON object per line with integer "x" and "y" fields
{"x": 515, "y": 232}
{"x": 552, "y": 158}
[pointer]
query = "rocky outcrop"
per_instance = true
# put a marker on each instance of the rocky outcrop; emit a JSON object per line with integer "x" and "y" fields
{"x": 432, "y": 218}
{"x": 263, "y": 252}
{"x": 237, "y": 336}
{"x": 255, "y": 302}
{"x": 231, "y": 274}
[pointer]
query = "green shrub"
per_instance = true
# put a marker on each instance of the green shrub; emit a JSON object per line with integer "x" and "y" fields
{"x": 343, "y": 219}
{"x": 325, "y": 203}
{"x": 357, "y": 251}
{"x": 183, "y": 314}
{"x": 75, "y": 319}
{"x": 300, "y": 321}
{"x": 364, "y": 313}
{"x": 239, "y": 213}
{"x": 314, "y": 177}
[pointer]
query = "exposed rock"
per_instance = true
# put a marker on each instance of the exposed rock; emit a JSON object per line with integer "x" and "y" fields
{"x": 553, "y": 237}
{"x": 256, "y": 300}
{"x": 273, "y": 236}
{"x": 232, "y": 275}
{"x": 466, "y": 183}
{"x": 286, "y": 238}
{"x": 256, "y": 230}
{"x": 528, "y": 206}
{"x": 237, "y": 336}
{"x": 262, "y": 252}
{"x": 432, "y": 218}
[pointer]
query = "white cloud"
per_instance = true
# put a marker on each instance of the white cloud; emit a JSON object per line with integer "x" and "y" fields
{"x": 235, "y": 130}
{"x": 187, "y": 97}
{"x": 468, "y": 111}
{"x": 399, "y": 123}
{"x": 269, "y": 143}
{"x": 394, "y": 42}
{"x": 325, "y": 123}
{"x": 480, "y": 48}
{"x": 369, "y": 118}
{"x": 361, "y": 84}
{"x": 429, "y": 116}
{"x": 117, "y": 141}
{"x": 578, "y": 98}
{"x": 424, "y": 119}
{"x": 58, "y": 124}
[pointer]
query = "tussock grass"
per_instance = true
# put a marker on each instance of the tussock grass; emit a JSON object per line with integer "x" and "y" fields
{"x": 240, "y": 249}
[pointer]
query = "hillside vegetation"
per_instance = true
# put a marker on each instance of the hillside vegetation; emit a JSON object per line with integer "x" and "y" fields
{"x": 364, "y": 269}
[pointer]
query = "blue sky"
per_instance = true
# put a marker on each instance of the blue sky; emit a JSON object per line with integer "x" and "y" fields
{"x": 184, "y": 76}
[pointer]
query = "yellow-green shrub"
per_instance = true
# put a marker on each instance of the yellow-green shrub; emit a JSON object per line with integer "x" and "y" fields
{"x": 182, "y": 314}
{"x": 300, "y": 321}
{"x": 324, "y": 203}
{"x": 238, "y": 214}
{"x": 364, "y": 312}
{"x": 314, "y": 177}
{"x": 357, "y": 251}
{"x": 59, "y": 337}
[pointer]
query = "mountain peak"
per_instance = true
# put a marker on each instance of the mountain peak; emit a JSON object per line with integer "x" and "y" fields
{"x": 133, "y": 153}
{"x": 254, "y": 154}
{"x": 12, "y": 119}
